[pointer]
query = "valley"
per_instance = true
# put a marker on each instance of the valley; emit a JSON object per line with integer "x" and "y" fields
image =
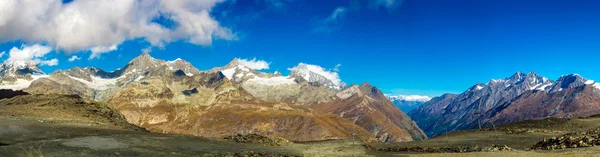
{"x": 150, "y": 103}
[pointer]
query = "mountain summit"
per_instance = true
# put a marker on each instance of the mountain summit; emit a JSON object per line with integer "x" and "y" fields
{"x": 19, "y": 69}
{"x": 19, "y": 75}
{"x": 316, "y": 74}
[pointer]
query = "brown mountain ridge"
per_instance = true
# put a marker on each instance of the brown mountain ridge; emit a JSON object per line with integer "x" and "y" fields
{"x": 174, "y": 97}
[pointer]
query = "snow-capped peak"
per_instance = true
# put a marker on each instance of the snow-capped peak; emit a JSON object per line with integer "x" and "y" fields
{"x": 315, "y": 73}
{"x": 417, "y": 98}
{"x": 20, "y": 68}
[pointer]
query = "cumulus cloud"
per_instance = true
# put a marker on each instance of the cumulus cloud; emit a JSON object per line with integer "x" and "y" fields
{"x": 34, "y": 53}
{"x": 330, "y": 75}
{"x": 81, "y": 25}
{"x": 2, "y": 54}
{"x": 98, "y": 50}
{"x": 51, "y": 62}
{"x": 74, "y": 58}
{"x": 254, "y": 64}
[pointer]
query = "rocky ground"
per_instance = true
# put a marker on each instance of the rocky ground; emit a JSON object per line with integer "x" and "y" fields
{"x": 258, "y": 139}
{"x": 571, "y": 140}
{"x": 66, "y": 125}
{"x": 23, "y": 136}
{"x": 548, "y": 137}
{"x": 35, "y": 137}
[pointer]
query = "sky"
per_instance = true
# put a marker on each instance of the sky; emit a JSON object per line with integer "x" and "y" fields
{"x": 403, "y": 47}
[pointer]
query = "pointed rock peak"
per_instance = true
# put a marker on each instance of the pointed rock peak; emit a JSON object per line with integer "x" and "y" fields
{"x": 142, "y": 62}
{"x": 477, "y": 86}
{"x": 534, "y": 79}
{"x": 371, "y": 90}
{"x": 570, "y": 77}
{"x": 366, "y": 85}
{"x": 234, "y": 63}
{"x": 571, "y": 80}
{"x": 517, "y": 76}
{"x": 145, "y": 54}
{"x": 143, "y": 58}
{"x": 533, "y": 74}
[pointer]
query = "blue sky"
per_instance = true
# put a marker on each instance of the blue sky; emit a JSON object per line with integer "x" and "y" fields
{"x": 423, "y": 47}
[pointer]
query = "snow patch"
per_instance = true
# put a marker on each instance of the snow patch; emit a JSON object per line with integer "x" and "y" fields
{"x": 272, "y": 81}
{"x": 535, "y": 87}
{"x": 590, "y": 82}
{"x": 228, "y": 73}
{"x": 479, "y": 87}
{"x": 21, "y": 84}
{"x": 544, "y": 86}
{"x": 173, "y": 61}
{"x": 597, "y": 85}
{"x": 139, "y": 78}
{"x": 97, "y": 83}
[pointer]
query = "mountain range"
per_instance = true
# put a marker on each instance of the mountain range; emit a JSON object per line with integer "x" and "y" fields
{"x": 519, "y": 97}
{"x": 307, "y": 105}
{"x": 174, "y": 97}
{"x": 408, "y": 103}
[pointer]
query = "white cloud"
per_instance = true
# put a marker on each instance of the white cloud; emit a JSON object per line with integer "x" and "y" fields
{"x": 74, "y": 58}
{"x": 337, "y": 68}
{"x": 51, "y": 62}
{"x": 85, "y": 24}
{"x": 330, "y": 75}
{"x": 333, "y": 20}
{"x": 419, "y": 98}
{"x": 278, "y": 3}
{"x": 388, "y": 4}
{"x": 147, "y": 50}
{"x": 2, "y": 54}
{"x": 98, "y": 50}
{"x": 33, "y": 53}
{"x": 254, "y": 64}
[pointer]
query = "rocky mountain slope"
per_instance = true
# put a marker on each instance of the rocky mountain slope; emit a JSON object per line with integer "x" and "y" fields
{"x": 174, "y": 97}
{"x": 366, "y": 106}
{"x": 62, "y": 108}
{"x": 572, "y": 96}
{"x": 519, "y": 97}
